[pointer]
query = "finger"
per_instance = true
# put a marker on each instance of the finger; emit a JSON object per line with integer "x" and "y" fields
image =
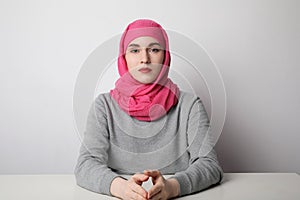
{"x": 139, "y": 190}
{"x": 140, "y": 178}
{"x": 136, "y": 196}
{"x": 147, "y": 171}
{"x": 152, "y": 173}
{"x": 155, "y": 174}
{"x": 157, "y": 196}
{"x": 154, "y": 190}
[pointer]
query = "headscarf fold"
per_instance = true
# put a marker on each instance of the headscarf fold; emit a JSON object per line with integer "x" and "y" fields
{"x": 145, "y": 102}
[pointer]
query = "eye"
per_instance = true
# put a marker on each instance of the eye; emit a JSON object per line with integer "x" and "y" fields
{"x": 134, "y": 50}
{"x": 154, "y": 50}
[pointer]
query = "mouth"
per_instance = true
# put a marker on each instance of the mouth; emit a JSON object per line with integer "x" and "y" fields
{"x": 145, "y": 70}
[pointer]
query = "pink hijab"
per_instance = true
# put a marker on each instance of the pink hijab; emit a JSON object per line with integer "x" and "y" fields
{"x": 145, "y": 102}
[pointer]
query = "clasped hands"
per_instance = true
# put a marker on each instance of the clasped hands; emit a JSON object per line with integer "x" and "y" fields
{"x": 132, "y": 188}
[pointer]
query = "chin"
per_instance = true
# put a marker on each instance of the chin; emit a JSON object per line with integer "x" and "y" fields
{"x": 145, "y": 81}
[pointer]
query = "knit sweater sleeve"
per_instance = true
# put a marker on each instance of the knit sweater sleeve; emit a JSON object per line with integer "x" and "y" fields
{"x": 204, "y": 170}
{"x": 91, "y": 171}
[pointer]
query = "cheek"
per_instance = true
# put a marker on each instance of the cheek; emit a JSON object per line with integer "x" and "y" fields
{"x": 161, "y": 58}
{"x": 130, "y": 62}
{"x": 157, "y": 69}
{"x": 157, "y": 59}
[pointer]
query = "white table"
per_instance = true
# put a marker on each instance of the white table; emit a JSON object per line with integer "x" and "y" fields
{"x": 262, "y": 186}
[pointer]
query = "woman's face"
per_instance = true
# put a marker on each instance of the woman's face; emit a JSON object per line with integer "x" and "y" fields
{"x": 144, "y": 57}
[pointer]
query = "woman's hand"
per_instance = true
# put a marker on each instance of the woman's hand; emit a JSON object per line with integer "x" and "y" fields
{"x": 162, "y": 188}
{"x": 130, "y": 189}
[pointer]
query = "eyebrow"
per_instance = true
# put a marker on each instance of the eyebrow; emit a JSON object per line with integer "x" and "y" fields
{"x": 133, "y": 45}
{"x": 151, "y": 44}
{"x": 154, "y": 43}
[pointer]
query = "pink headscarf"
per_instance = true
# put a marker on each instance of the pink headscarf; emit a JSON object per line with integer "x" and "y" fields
{"x": 145, "y": 102}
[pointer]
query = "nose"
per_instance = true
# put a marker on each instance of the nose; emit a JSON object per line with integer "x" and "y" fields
{"x": 145, "y": 58}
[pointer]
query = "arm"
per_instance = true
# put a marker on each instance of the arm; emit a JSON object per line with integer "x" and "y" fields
{"x": 91, "y": 171}
{"x": 203, "y": 170}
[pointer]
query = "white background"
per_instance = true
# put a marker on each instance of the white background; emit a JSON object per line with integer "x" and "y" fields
{"x": 254, "y": 43}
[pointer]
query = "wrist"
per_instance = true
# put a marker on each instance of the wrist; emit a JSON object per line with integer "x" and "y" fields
{"x": 174, "y": 188}
{"x": 116, "y": 187}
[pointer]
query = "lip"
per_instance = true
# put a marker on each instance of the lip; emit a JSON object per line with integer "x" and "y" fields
{"x": 145, "y": 70}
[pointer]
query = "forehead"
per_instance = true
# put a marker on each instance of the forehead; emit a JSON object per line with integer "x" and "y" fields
{"x": 143, "y": 41}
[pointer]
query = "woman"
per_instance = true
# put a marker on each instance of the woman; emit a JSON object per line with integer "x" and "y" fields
{"x": 146, "y": 127}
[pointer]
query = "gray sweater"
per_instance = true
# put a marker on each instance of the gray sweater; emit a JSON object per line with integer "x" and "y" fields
{"x": 115, "y": 143}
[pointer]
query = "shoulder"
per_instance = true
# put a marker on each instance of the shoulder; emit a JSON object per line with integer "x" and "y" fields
{"x": 103, "y": 98}
{"x": 190, "y": 103}
{"x": 102, "y": 102}
{"x": 188, "y": 99}
{"x": 187, "y": 95}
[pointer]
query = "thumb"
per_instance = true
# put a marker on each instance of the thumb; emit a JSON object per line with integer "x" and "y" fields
{"x": 140, "y": 178}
